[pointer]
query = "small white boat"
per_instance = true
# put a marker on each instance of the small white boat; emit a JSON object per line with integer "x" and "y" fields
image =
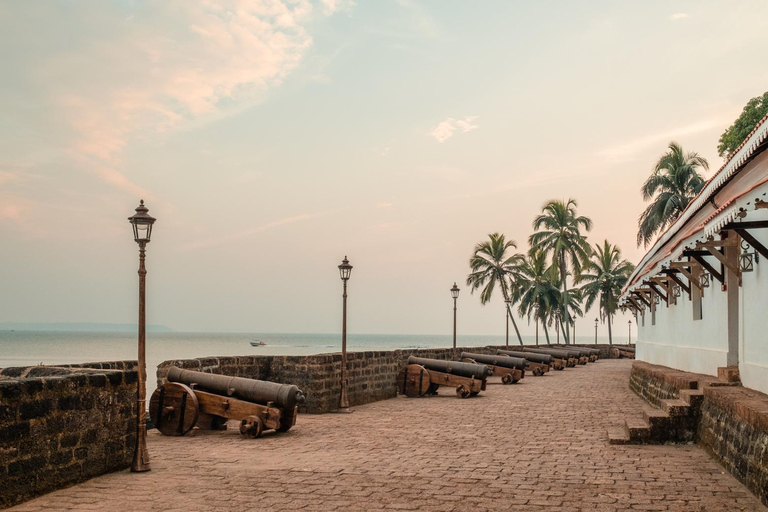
{"x": 257, "y": 343}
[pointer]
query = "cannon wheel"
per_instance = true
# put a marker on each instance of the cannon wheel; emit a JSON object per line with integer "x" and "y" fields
{"x": 174, "y": 409}
{"x": 537, "y": 372}
{"x": 251, "y": 426}
{"x": 462, "y": 391}
{"x": 507, "y": 379}
{"x": 413, "y": 381}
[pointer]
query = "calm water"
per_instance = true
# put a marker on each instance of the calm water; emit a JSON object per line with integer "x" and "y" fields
{"x": 27, "y": 348}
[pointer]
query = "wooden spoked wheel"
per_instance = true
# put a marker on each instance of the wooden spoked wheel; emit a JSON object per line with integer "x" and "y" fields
{"x": 413, "y": 381}
{"x": 537, "y": 372}
{"x": 174, "y": 409}
{"x": 463, "y": 391}
{"x": 251, "y": 426}
{"x": 507, "y": 379}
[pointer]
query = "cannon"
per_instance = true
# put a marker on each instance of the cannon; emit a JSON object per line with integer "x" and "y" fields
{"x": 537, "y": 364}
{"x": 623, "y": 351}
{"x": 423, "y": 376}
{"x": 562, "y": 358}
{"x": 581, "y": 356}
{"x": 586, "y": 355}
{"x": 208, "y": 400}
{"x": 510, "y": 369}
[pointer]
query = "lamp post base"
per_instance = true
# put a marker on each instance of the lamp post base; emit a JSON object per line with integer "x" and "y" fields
{"x": 343, "y": 410}
{"x": 141, "y": 454}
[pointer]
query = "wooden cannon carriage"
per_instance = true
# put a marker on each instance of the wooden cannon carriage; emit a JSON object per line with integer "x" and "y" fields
{"x": 537, "y": 364}
{"x": 510, "y": 369}
{"x": 423, "y": 376}
{"x": 207, "y": 400}
{"x": 623, "y": 351}
{"x": 561, "y": 358}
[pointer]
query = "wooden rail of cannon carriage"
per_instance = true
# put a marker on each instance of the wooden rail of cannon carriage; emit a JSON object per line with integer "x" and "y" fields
{"x": 510, "y": 369}
{"x": 424, "y": 376}
{"x": 537, "y": 364}
{"x": 207, "y": 400}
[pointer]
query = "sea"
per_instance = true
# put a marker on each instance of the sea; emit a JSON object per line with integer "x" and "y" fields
{"x": 29, "y": 348}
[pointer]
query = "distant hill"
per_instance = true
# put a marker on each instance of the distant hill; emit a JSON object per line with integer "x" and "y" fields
{"x": 79, "y": 327}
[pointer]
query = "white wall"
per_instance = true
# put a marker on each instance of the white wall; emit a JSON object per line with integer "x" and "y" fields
{"x": 753, "y": 321}
{"x": 678, "y": 341}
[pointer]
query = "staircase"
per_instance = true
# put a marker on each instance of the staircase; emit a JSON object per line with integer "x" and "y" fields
{"x": 675, "y": 422}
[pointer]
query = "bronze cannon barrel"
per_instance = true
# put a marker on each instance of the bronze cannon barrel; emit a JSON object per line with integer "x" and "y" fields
{"x": 469, "y": 370}
{"x": 497, "y": 360}
{"x": 530, "y": 356}
{"x": 560, "y": 354}
{"x": 251, "y": 390}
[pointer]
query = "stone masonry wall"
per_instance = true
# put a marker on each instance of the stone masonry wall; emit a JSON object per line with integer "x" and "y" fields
{"x": 62, "y": 425}
{"x": 656, "y": 383}
{"x": 372, "y": 375}
{"x": 734, "y": 429}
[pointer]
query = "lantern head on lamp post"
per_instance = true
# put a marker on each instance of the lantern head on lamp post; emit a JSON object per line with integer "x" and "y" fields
{"x": 142, "y": 223}
{"x": 345, "y": 270}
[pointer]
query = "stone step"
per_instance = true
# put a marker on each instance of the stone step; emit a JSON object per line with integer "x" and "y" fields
{"x": 675, "y": 407}
{"x": 692, "y": 397}
{"x": 618, "y": 435}
{"x": 656, "y": 418}
{"x": 639, "y": 431}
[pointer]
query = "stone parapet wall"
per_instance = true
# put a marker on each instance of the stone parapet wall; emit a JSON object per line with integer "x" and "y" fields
{"x": 656, "y": 383}
{"x": 734, "y": 429}
{"x": 60, "y": 425}
{"x": 372, "y": 375}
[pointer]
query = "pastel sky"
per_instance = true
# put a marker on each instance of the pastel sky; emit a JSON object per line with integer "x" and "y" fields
{"x": 272, "y": 138}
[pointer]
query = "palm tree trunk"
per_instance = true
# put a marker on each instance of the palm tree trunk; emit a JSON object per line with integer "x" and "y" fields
{"x": 537, "y": 331}
{"x": 509, "y": 312}
{"x": 610, "y": 335}
{"x": 564, "y": 328}
{"x": 546, "y": 332}
{"x": 557, "y": 330}
{"x": 565, "y": 292}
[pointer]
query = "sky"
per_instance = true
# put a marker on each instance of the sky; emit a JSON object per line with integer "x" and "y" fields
{"x": 270, "y": 139}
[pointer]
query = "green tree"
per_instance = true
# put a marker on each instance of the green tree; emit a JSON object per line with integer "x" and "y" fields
{"x": 492, "y": 265}
{"x": 604, "y": 276}
{"x": 558, "y": 234}
{"x": 537, "y": 291}
{"x": 753, "y": 112}
{"x": 675, "y": 180}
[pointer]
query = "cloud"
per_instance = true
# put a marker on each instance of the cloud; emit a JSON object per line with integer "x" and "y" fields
{"x": 678, "y": 16}
{"x": 175, "y": 66}
{"x": 626, "y": 152}
{"x": 446, "y": 129}
{"x": 383, "y": 205}
{"x": 332, "y": 6}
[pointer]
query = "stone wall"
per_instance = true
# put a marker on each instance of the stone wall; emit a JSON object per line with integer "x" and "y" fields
{"x": 372, "y": 375}
{"x": 734, "y": 429}
{"x": 64, "y": 424}
{"x": 656, "y": 383}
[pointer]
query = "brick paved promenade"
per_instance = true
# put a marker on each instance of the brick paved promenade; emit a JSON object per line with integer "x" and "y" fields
{"x": 538, "y": 445}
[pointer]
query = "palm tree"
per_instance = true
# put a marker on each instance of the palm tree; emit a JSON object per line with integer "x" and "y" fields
{"x": 537, "y": 290}
{"x": 676, "y": 180}
{"x": 605, "y": 275}
{"x": 558, "y": 234}
{"x": 492, "y": 265}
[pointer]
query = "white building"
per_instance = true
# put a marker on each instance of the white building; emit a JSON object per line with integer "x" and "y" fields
{"x": 701, "y": 292}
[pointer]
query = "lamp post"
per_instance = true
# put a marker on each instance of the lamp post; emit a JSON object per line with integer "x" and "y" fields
{"x": 506, "y": 315}
{"x": 142, "y": 230}
{"x": 455, "y": 295}
{"x": 345, "y": 269}
{"x": 595, "y": 331}
{"x": 629, "y": 333}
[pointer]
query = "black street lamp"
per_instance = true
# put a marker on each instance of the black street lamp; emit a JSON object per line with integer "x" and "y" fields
{"x": 595, "y": 331}
{"x": 345, "y": 269}
{"x": 507, "y": 302}
{"x": 455, "y": 295}
{"x": 142, "y": 231}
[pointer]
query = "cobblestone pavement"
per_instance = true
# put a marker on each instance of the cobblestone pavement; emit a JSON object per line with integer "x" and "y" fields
{"x": 539, "y": 445}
